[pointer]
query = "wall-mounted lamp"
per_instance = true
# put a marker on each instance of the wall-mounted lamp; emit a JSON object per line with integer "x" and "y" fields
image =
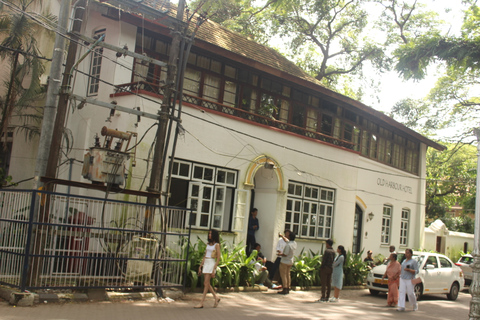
{"x": 269, "y": 164}
{"x": 370, "y": 216}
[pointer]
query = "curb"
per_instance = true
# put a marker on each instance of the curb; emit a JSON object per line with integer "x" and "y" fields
{"x": 27, "y": 299}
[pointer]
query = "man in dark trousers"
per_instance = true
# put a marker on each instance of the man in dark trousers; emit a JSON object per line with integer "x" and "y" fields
{"x": 326, "y": 270}
{"x": 252, "y": 227}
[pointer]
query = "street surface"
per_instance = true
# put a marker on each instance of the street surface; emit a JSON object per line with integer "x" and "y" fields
{"x": 354, "y": 304}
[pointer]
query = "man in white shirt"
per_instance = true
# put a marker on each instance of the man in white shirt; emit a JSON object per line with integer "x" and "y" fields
{"x": 282, "y": 242}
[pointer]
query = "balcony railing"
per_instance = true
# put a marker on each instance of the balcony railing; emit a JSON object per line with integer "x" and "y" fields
{"x": 143, "y": 86}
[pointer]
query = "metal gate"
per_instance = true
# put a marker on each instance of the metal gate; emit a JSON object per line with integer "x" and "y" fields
{"x": 66, "y": 241}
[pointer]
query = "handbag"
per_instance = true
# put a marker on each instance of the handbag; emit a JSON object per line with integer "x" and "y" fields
{"x": 416, "y": 281}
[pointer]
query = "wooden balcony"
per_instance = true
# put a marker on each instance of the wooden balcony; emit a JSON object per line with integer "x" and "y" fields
{"x": 157, "y": 91}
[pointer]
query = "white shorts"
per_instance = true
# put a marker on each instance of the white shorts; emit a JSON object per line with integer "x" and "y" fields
{"x": 208, "y": 265}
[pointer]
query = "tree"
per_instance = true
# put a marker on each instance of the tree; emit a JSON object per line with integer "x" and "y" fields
{"x": 451, "y": 176}
{"x": 241, "y": 16}
{"x": 405, "y": 20}
{"x": 21, "y": 57}
{"x": 454, "y": 98}
{"x": 325, "y": 37}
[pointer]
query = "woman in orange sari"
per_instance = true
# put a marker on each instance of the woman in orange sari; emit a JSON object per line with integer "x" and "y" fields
{"x": 393, "y": 274}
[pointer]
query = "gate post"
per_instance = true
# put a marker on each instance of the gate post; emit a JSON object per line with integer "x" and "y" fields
{"x": 26, "y": 258}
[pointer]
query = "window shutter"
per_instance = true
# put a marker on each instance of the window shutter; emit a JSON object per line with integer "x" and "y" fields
{"x": 240, "y": 211}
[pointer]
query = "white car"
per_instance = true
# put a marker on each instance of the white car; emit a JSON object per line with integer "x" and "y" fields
{"x": 438, "y": 273}
{"x": 465, "y": 262}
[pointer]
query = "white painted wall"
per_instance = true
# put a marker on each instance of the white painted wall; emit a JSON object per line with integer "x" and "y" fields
{"x": 452, "y": 242}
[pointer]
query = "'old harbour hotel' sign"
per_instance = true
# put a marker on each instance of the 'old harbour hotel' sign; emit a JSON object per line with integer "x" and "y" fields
{"x": 394, "y": 185}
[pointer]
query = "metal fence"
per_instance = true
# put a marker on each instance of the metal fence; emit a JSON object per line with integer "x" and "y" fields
{"x": 52, "y": 240}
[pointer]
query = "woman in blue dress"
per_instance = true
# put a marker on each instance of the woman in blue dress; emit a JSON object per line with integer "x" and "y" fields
{"x": 337, "y": 275}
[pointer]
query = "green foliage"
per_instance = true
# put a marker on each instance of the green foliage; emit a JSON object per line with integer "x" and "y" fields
{"x": 19, "y": 49}
{"x": 451, "y": 181}
{"x": 355, "y": 269}
{"x": 236, "y": 268}
{"x": 455, "y": 255}
{"x": 305, "y": 271}
{"x": 378, "y": 259}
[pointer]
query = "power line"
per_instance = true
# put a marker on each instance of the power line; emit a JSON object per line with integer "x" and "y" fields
{"x": 299, "y": 151}
{"x": 25, "y": 53}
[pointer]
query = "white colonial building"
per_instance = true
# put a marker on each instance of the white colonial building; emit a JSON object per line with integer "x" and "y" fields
{"x": 256, "y": 131}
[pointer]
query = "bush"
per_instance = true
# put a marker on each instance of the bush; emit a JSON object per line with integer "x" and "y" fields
{"x": 305, "y": 271}
{"x": 236, "y": 268}
{"x": 355, "y": 269}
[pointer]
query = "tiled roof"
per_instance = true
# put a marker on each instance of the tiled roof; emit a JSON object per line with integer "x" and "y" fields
{"x": 214, "y": 34}
{"x": 217, "y": 35}
{"x": 261, "y": 56}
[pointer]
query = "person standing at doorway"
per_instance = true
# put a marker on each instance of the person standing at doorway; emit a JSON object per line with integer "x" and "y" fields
{"x": 326, "y": 270}
{"x": 253, "y": 226}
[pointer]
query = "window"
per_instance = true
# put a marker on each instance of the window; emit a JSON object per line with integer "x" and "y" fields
{"x": 386, "y": 224}
{"x": 433, "y": 261}
{"x": 298, "y": 117}
{"x": 208, "y": 190}
{"x": 444, "y": 263}
{"x": 249, "y": 99}
{"x": 310, "y": 210}
{"x": 327, "y": 124}
{"x": 229, "y": 93}
{"x": 312, "y": 119}
{"x": 404, "y": 224}
{"x": 95, "y": 65}
{"x": 191, "y": 82}
{"x": 211, "y": 88}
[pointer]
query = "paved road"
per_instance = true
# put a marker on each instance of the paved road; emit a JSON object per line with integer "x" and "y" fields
{"x": 264, "y": 305}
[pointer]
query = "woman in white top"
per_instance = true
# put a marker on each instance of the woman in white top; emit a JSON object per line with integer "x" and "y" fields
{"x": 209, "y": 266}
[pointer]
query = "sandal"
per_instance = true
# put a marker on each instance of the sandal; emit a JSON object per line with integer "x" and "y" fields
{"x": 198, "y": 307}
{"x": 216, "y": 303}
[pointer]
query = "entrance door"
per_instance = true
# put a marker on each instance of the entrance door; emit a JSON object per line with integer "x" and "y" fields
{"x": 357, "y": 230}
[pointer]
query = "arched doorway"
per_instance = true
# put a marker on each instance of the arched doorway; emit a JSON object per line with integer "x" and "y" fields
{"x": 265, "y": 179}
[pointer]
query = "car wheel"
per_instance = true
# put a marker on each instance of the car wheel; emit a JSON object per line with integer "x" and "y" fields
{"x": 374, "y": 292}
{"x": 418, "y": 291}
{"x": 453, "y": 294}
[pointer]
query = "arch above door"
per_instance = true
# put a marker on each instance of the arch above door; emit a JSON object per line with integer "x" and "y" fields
{"x": 264, "y": 161}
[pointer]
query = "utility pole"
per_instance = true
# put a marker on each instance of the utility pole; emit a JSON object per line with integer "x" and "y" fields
{"x": 52, "y": 93}
{"x": 475, "y": 286}
{"x": 155, "y": 185}
{"x": 56, "y": 139}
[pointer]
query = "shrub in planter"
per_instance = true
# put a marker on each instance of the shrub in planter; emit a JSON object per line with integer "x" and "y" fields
{"x": 305, "y": 269}
{"x": 355, "y": 269}
{"x": 234, "y": 269}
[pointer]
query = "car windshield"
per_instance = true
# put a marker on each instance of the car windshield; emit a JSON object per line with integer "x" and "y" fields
{"x": 466, "y": 260}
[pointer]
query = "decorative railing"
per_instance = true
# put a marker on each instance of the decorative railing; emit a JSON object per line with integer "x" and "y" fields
{"x": 138, "y": 87}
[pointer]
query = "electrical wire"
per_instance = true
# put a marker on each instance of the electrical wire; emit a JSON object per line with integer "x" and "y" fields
{"x": 25, "y": 53}
{"x": 68, "y": 37}
{"x": 143, "y": 136}
{"x": 297, "y": 150}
